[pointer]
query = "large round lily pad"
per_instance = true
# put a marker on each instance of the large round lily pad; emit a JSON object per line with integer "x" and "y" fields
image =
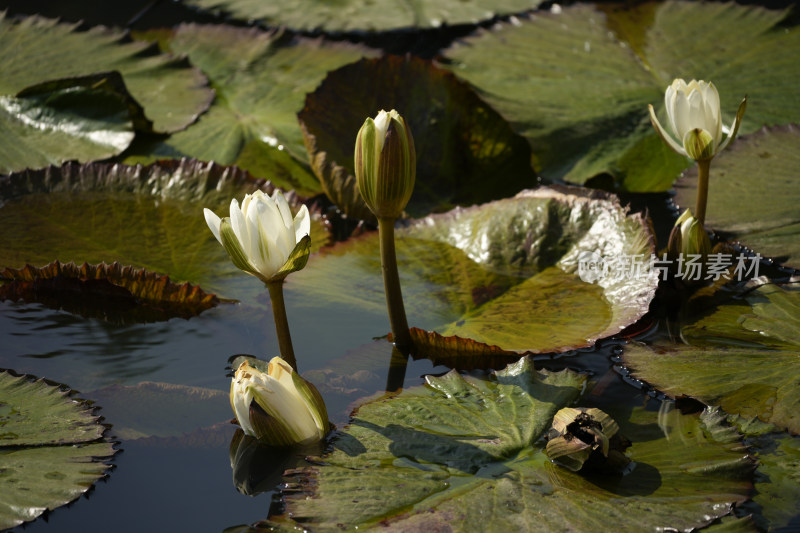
{"x": 743, "y": 357}
{"x": 52, "y": 448}
{"x": 467, "y": 450}
{"x": 172, "y": 93}
{"x": 357, "y": 16}
{"x": 466, "y": 153}
{"x": 148, "y": 217}
{"x": 576, "y": 83}
{"x": 505, "y": 273}
{"x": 261, "y": 79}
{"x": 754, "y": 192}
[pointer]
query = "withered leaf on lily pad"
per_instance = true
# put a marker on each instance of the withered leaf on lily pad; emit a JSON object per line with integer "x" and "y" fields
{"x": 468, "y": 449}
{"x": 112, "y": 292}
{"x": 504, "y": 277}
{"x": 52, "y": 444}
{"x": 466, "y": 153}
{"x": 744, "y": 356}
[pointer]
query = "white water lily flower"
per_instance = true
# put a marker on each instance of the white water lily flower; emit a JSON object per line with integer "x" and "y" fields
{"x": 261, "y": 237}
{"x": 291, "y": 409}
{"x": 693, "y": 111}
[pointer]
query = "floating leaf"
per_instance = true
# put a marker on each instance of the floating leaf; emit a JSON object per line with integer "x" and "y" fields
{"x": 261, "y": 79}
{"x": 777, "y": 482}
{"x": 52, "y": 448}
{"x": 466, "y": 450}
{"x": 577, "y": 83}
{"x": 744, "y": 357}
{"x": 149, "y": 217}
{"x": 352, "y": 15}
{"x": 86, "y": 118}
{"x": 762, "y": 168}
{"x": 172, "y": 93}
{"x": 466, "y": 153}
{"x": 504, "y": 274}
{"x": 111, "y": 292}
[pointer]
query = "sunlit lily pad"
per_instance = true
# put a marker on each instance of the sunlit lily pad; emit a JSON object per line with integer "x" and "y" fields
{"x": 465, "y": 450}
{"x": 466, "y": 153}
{"x": 504, "y": 273}
{"x": 172, "y": 93}
{"x": 110, "y": 292}
{"x": 86, "y": 118}
{"x": 576, "y": 82}
{"x": 261, "y": 79}
{"x": 356, "y": 16}
{"x": 743, "y": 357}
{"x": 147, "y": 217}
{"x": 51, "y": 445}
{"x": 761, "y": 168}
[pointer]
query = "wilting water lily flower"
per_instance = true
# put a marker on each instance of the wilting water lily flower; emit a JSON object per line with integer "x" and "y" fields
{"x": 261, "y": 237}
{"x": 385, "y": 164}
{"x": 278, "y": 407}
{"x": 694, "y": 116}
{"x": 586, "y": 436}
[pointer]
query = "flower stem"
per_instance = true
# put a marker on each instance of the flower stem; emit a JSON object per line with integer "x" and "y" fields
{"x": 391, "y": 285}
{"x": 281, "y": 323}
{"x": 397, "y": 370}
{"x": 703, "y": 167}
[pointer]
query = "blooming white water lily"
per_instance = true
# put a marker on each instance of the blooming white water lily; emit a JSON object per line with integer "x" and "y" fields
{"x": 693, "y": 111}
{"x": 385, "y": 164}
{"x": 288, "y": 409}
{"x": 261, "y": 237}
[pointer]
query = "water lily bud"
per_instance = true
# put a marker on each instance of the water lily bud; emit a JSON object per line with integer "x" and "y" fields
{"x": 694, "y": 116}
{"x": 385, "y": 164}
{"x": 261, "y": 237}
{"x": 688, "y": 237}
{"x": 580, "y": 434}
{"x": 278, "y": 407}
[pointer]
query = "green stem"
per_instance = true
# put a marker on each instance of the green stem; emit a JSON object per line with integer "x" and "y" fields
{"x": 391, "y": 285}
{"x": 397, "y": 370}
{"x": 703, "y": 167}
{"x": 281, "y": 322}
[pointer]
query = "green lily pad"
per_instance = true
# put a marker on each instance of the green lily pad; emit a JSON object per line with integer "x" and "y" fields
{"x": 147, "y": 217}
{"x": 763, "y": 168}
{"x": 86, "y": 118}
{"x": 777, "y": 481}
{"x": 51, "y": 445}
{"x": 743, "y": 357}
{"x": 466, "y": 153}
{"x": 114, "y": 292}
{"x": 355, "y": 16}
{"x": 261, "y": 79}
{"x": 577, "y": 83}
{"x": 468, "y": 450}
{"x": 505, "y": 273}
{"x": 172, "y": 93}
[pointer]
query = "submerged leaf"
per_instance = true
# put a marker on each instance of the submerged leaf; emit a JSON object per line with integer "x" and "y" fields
{"x": 576, "y": 83}
{"x": 466, "y": 153}
{"x": 51, "y": 445}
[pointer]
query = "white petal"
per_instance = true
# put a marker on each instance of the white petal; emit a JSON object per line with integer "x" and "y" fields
{"x": 213, "y": 222}
{"x": 682, "y": 114}
{"x": 259, "y": 245}
{"x": 277, "y": 234}
{"x": 239, "y": 225}
{"x": 283, "y": 208}
{"x": 302, "y": 224}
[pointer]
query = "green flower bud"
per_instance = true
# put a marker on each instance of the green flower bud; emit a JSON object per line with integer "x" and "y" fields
{"x": 385, "y": 164}
{"x": 699, "y": 144}
{"x": 688, "y": 237}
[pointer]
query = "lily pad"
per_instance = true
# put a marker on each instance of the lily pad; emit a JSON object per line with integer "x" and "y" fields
{"x": 148, "y": 217}
{"x": 52, "y": 448}
{"x": 87, "y": 118}
{"x": 466, "y": 152}
{"x": 763, "y": 168}
{"x": 743, "y": 357}
{"x": 261, "y": 79}
{"x": 357, "y": 16}
{"x": 114, "y": 292}
{"x": 504, "y": 273}
{"x": 576, "y": 82}
{"x": 777, "y": 482}
{"x": 172, "y": 93}
{"x": 468, "y": 449}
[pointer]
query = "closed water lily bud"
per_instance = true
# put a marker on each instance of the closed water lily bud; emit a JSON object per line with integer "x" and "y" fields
{"x": 385, "y": 164}
{"x": 278, "y": 407}
{"x": 687, "y": 238}
{"x": 583, "y": 435}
